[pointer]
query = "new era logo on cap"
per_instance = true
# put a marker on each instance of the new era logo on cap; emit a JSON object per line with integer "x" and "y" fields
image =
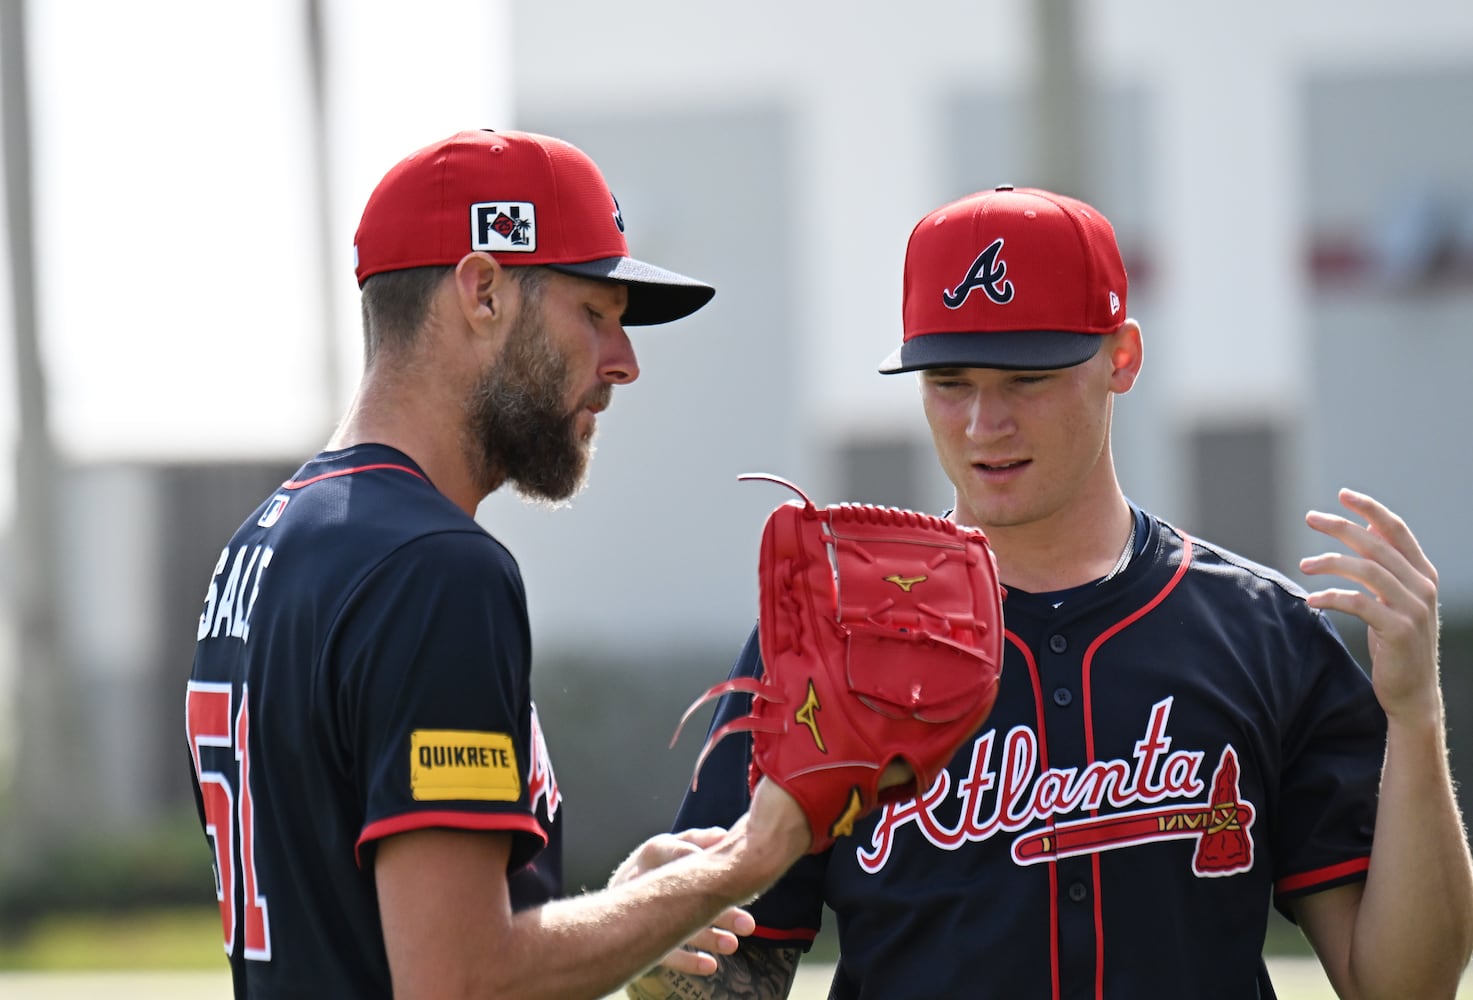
{"x": 1019, "y": 279}
{"x": 508, "y": 226}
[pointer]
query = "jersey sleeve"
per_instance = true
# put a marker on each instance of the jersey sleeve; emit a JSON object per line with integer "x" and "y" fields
{"x": 428, "y": 685}
{"x": 790, "y": 912}
{"x": 1334, "y": 747}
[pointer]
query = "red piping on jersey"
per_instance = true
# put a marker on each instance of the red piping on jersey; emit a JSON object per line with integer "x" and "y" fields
{"x": 292, "y": 484}
{"x": 796, "y": 934}
{"x": 1053, "y": 868}
{"x": 1089, "y": 738}
{"x": 490, "y": 822}
{"x": 1292, "y": 883}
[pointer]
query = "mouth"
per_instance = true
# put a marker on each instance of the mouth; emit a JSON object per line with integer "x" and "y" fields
{"x": 599, "y": 399}
{"x": 1008, "y": 465}
{"x": 587, "y": 417}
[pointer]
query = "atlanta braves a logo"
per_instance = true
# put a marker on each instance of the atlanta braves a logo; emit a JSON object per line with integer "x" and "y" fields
{"x": 988, "y": 272}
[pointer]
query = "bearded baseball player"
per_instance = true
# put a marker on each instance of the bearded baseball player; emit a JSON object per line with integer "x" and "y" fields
{"x": 369, "y": 767}
{"x": 1180, "y": 739}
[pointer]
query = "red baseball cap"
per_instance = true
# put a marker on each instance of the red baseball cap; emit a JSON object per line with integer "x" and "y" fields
{"x": 1020, "y": 278}
{"x": 524, "y": 199}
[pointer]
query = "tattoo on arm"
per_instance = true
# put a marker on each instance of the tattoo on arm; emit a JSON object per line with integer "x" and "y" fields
{"x": 750, "y": 974}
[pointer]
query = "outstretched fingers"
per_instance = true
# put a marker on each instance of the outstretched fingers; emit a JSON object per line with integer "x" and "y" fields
{"x": 1388, "y": 561}
{"x": 1398, "y": 601}
{"x": 1385, "y": 526}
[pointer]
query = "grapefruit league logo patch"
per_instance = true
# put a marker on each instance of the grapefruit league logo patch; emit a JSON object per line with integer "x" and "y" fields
{"x": 504, "y": 226}
{"x": 463, "y": 764}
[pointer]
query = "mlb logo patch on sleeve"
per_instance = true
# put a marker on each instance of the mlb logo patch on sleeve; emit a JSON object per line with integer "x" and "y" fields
{"x": 463, "y": 764}
{"x": 504, "y": 226}
{"x": 273, "y": 510}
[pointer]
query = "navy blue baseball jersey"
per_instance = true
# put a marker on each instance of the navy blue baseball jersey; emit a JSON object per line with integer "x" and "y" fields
{"x": 362, "y": 670}
{"x": 1171, "y": 750}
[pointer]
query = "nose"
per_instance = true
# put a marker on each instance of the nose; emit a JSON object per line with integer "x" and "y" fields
{"x": 618, "y": 365}
{"x": 989, "y": 418}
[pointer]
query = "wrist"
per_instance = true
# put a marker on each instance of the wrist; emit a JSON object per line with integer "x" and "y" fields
{"x": 1414, "y": 707}
{"x": 775, "y": 833}
{"x": 775, "y": 847}
{"x": 1421, "y": 726}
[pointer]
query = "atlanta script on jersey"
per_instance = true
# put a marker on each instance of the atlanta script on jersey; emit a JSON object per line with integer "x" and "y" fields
{"x": 1170, "y": 752}
{"x": 362, "y": 670}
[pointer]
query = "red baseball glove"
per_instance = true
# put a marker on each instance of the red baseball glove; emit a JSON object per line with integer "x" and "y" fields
{"x": 881, "y": 636}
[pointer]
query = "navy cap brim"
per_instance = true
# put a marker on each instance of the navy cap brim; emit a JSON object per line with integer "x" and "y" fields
{"x": 1013, "y": 350}
{"x": 655, "y": 294}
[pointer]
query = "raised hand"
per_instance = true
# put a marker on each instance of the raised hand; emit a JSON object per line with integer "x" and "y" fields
{"x": 1398, "y": 601}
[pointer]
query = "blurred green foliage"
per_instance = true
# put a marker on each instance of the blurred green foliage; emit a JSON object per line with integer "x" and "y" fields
{"x": 164, "y": 866}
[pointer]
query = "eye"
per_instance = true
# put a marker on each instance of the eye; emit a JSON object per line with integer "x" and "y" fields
{"x": 1030, "y": 379}
{"x": 944, "y": 380}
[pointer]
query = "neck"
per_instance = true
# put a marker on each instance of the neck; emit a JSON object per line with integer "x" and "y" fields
{"x": 412, "y": 419}
{"x": 1067, "y": 549}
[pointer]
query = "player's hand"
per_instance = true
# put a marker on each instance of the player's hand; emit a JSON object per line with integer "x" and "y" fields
{"x": 1398, "y": 603}
{"x": 697, "y": 956}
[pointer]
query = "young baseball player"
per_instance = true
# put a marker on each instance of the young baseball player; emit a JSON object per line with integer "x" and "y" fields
{"x": 1180, "y": 738}
{"x": 369, "y": 765}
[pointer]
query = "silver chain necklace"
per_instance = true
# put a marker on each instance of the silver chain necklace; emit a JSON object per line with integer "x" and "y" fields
{"x": 1125, "y": 553}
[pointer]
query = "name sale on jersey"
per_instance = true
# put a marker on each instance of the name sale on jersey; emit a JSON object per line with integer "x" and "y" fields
{"x": 228, "y": 605}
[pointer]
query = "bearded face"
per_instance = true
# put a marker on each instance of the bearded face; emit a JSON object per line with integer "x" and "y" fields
{"x": 521, "y": 427}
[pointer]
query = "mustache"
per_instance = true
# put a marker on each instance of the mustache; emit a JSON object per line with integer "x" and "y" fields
{"x": 598, "y": 399}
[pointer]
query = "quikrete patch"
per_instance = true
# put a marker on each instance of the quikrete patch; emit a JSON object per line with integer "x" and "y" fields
{"x": 460, "y": 764}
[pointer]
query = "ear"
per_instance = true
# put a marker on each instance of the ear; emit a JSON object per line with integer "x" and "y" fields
{"x": 1126, "y": 353}
{"x": 484, "y": 292}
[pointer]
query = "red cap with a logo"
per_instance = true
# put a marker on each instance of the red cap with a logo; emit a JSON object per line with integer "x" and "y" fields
{"x": 524, "y": 199}
{"x": 1021, "y": 279}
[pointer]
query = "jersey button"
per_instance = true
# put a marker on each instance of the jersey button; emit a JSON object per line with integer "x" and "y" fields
{"x": 1058, "y": 643}
{"x": 1063, "y": 696}
{"x": 1078, "y": 892}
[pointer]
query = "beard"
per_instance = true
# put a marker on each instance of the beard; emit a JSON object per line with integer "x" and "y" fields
{"x": 520, "y": 427}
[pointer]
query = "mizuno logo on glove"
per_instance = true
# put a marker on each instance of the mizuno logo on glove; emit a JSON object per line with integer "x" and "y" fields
{"x": 904, "y": 582}
{"x": 808, "y": 715}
